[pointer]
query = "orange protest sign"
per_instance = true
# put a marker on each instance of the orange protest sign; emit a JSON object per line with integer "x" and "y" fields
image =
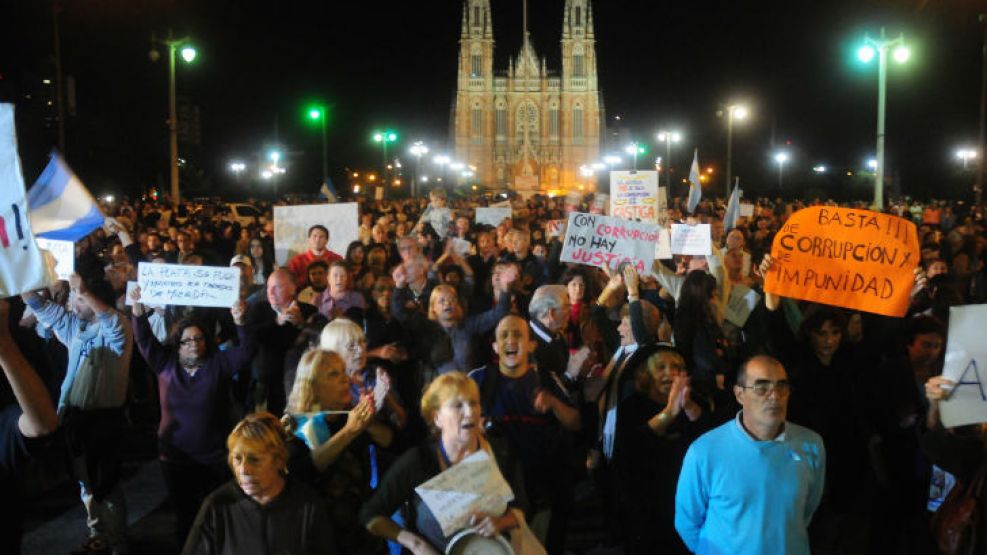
{"x": 856, "y": 259}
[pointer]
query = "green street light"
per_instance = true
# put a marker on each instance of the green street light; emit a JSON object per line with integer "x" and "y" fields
{"x": 188, "y": 53}
{"x": 901, "y": 54}
{"x": 318, "y": 113}
{"x": 384, "y": 137}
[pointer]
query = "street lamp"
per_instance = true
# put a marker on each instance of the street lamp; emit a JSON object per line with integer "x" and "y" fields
{"x": 418, "y": 149}
{"x": 634, "y": 149}
{"x": 237, "y": 168}
{"x": 669, "y": 137}
{"x": 384, "y": 137}
{"x": 872, "y": 164}
{"x": 188, "y": 54}
{"x": 966, "y": 154}
{"x": 738, "y": 112}
{"x": 866, "y": 53}
{"x": 781, "y": 158}
{"x": 318, "y": 113}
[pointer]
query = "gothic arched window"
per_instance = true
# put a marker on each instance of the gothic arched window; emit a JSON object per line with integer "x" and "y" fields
{"x": 578, "y": 64}
{"x": 577, "y": 121}
{"x": 476, "y": 120}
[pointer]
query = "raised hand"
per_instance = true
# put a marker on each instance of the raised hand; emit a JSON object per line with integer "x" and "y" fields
{"x": 238, "y": 311}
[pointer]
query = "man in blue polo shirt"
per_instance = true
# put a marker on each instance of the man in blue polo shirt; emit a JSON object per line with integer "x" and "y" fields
{"x": 752, "y": 484}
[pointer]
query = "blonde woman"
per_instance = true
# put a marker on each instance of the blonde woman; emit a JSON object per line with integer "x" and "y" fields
{"x": 339, "y": 439}
{"x": 347, "y": 339}
{"x": 451, "y": 406}
{"x": 261, "y": 510}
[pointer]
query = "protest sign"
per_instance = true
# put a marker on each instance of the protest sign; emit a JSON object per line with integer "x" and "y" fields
{"x": 23, "y": 267}
{"x": 691, "y": 239}
{"x": 746, "y": 210}
{"x": 475, "y": 484}
{"x": 553, "y": 228}
{"x": 605, "y": 241}
{"x": 600, "y": 202}
{"x": 743, "y": 300}
{"x": 663, "y": 248}
{"x": 634, "y": 195}
{"x": 64, "y": 253}
{"x": 845, "y": 257}
{"x": 492, "y": 216}
{"x": 291, "y": 224}
{"x": 966, "y": 364}
{"x": 177, "y": 284}
{"x": 573, "y": 200}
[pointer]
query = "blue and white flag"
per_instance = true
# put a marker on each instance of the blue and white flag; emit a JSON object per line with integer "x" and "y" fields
{"x": 695, "y": 187}
{"x": 733, "y": 208}
{"x": 61, "y": 206}
{"x": 328, "y": 190}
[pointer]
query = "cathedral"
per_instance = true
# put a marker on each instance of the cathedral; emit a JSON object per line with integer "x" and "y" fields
{"x": 528, "y": 128}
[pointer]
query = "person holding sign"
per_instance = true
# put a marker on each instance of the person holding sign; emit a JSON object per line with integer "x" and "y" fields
{"x": 451, "y": 405}
{"x": 194, "y": 383}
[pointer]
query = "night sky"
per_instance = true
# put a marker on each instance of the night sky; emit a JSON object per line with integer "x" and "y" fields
{"x": 393, "y": 64}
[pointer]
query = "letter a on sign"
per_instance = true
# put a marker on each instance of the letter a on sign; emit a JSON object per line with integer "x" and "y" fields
{"x": 23, "y": 267}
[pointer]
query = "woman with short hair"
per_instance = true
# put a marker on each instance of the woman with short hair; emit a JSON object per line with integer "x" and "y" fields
{"x": 261, "y": 510}
{"x": 451, "y": 405}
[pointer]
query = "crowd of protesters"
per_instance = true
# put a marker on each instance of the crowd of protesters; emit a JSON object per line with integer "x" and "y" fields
{"x": 305, "y": 416}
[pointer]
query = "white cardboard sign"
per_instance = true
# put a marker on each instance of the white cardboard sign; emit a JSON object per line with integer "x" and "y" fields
{"x": 743, "y": 300}
{"x": 492, "y": 215}
{"x": 291, "y": 225}
{"x": 966, "y": 364}
{"x": 23, "y": 267}
{"x": 475, "y": 484}
{"x": 605, "y": 241}
{"x": 177, "y": 284}
{"x": 634, "y": 195}
{"x": 692, "y": 239}
{"x": 64, "y": 253}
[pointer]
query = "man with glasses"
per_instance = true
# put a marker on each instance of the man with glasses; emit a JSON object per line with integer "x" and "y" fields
{"x": 752, "y": 484}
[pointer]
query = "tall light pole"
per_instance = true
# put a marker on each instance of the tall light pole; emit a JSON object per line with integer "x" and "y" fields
{"x": 442, "y": 161}
{"x": 966, "y": 154}
{"x": 739, "y": 112}
{"x": 634, "y": 149}
{"x": 669, "y": 137}
{"x": 781, "y": 158}
{"x": 866, "y": 53}
{"x": 418, "y": 149}
{"x": 188, "y": 54}
{"x": 384, "y": 137}
{"x": 318, "y": 113}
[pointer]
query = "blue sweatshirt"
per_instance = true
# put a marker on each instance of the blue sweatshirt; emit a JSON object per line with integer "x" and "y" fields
{"x": 737, "y": 495}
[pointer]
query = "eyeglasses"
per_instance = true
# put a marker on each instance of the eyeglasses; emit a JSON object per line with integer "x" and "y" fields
{"x": 195, "y": 339}
{"x": 763, "y": 387}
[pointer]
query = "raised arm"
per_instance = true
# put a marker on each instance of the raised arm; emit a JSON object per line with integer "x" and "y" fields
{"x": 38, "y": 416}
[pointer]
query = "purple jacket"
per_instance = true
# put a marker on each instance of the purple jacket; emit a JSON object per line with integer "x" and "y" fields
{"x": 195, "y": 410}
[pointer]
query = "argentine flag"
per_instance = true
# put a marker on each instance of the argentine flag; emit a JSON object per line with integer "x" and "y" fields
{"x": 733, "y": 208}
{"x": 61, "y": 206}
{"x": 695, "y": 186}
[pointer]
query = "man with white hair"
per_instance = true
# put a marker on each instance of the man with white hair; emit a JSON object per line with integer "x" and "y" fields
{"x": 549, "y": 316}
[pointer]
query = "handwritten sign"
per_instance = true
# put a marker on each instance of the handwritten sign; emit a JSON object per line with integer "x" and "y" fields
{"x": 663, "y": 248}
{"x": 553, "y": 228}
{"x": 23, "y": 266}
{"x": 605, "y": 241}
{"x": 634, "y": 195}
{"x": 600, "y": 203}
{"x": 966, "y": 364}
{"x": 845, "y": 257}
{"x": 492, "y": 216}
{"x": 176, "y": 284}
{"x": 743, "y": 300}
{"x": 691, "y": 239}
{"x": 291, "y": 225}
{"x": 746, "y": 210}
{"x": 475, "y": 484}
{"x": 64, "y": 253}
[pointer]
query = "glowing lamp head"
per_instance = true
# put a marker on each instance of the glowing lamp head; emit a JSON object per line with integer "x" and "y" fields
{"x": 872, "y": 164}
{"x": 189, "y": 54}
{"x": 315, "y": 113}
{"x": 902, "y": 54}
{"x": 739, "y": 112}
{"x": 781, "y": 157}
{"x": 866, "y": 53}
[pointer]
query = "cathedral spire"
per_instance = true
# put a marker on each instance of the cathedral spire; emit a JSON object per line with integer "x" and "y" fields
{"x": 463, "y": 31}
